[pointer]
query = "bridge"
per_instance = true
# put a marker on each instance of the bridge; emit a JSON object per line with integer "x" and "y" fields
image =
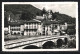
{"x": 40, "y": 41}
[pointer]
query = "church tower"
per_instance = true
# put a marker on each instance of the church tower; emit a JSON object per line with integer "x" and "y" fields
{"x": 49, "y": 14}
{"x": 9, "y": 25}
{"x": 9, "y": 18}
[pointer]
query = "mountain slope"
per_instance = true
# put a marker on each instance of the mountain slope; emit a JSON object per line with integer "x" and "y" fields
{"x": 19, "y": 8}
{"x": 64, "y": 17}
{"x": 18, "y": 11}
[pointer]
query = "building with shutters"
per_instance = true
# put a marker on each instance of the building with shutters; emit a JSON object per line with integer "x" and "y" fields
{"x": 37, "y": 26}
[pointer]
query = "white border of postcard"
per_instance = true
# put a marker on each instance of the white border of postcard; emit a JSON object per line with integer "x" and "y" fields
{"x": 28, "y": 50}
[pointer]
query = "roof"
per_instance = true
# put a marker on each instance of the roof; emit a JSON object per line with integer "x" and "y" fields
{"x": 44, "y": 21}
{"x": 21, "y": 22}
{"x": 39, "y": 17}
{"x": 48, "y": 22}
{"x": 34, "y": 20}
{"x": 15, "y": 23}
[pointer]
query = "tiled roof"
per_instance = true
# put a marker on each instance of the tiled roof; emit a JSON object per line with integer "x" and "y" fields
{"x": 44, "y": 21}
{"x": 48, "y": 22}
{"x": 34, "y": 20}
{"x": 39, "y": 17}
{"x": 21, "y": 22}
{"x": 16, "y": 22}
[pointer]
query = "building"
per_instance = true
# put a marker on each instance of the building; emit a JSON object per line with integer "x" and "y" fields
{"x": 6, "y": 30}
{"x": 15, "y": 27}
{"x": 32, "y": 27}
{"x": 52, "y": 27}
{"x": 37, "y": 26}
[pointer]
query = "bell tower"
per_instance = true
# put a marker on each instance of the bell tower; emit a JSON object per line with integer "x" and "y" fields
{"x": 9, "y": 25}
{"x": 49, "y": 14}
{"x": 9, "y": 18}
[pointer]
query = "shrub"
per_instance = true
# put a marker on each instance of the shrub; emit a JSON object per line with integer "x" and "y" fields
{"x": 72, "y": 43}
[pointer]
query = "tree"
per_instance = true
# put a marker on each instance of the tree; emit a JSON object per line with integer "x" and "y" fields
{"x": 53, "y": 15}
{"x": 27, "y": 16}
{"x": 43, "y": 11}
{"x": 51, "y": 11}
{"x": 38, "y": 14}
{"x": 5, "y": 22}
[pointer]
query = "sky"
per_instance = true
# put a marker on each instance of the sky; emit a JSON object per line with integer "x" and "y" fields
{"x": 64, "y": 8}
{"x": 69, "y": 8}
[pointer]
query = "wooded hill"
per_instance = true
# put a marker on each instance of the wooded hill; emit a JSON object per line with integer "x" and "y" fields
{"x": 28, "y": 12}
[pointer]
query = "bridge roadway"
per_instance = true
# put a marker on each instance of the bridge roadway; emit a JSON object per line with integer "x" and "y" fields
{"x": 20, "y": 43}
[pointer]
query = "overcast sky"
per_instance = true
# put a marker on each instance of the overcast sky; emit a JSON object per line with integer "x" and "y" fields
{"x": 69, "y": 8}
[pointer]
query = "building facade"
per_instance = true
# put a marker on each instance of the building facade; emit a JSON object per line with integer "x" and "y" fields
{"x": 32, "y": 27}
{"x": 37, "y": 26}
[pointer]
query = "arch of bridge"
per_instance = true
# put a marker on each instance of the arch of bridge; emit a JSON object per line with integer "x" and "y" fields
{"x": 39, "y": 44}
{"x": 54, "y": 40}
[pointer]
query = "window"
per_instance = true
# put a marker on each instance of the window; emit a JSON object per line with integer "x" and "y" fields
{"x": 29, "y": 27}
{"x": 35, "y": 26}
{"x": 55, "y": 26}
{"x": 12, "y": 29}
{"x": 18, "y": 33}
{"x": 19, "y": 29}
{"x": 44, "y": 28}
{"x": 43, "y": 31}
{"x": 50, "y": 29}
{"x": 12, "y": 26}
{"x": 50, "y": 26}
{"x": 39, "y": 23}
{"x": 14, "y": 33}
{"x": 26, "y": 27}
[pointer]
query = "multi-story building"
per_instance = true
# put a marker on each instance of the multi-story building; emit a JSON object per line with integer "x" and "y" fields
{"x": 37, "y": 26}
{"x": 32, "y": 27}
{"x": 16, "y": 27}
{"x": 52, "y": 27}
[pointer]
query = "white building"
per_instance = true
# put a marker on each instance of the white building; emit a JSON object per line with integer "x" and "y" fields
{"x": 32, "y": 27}
{"x": 37, "y": 26}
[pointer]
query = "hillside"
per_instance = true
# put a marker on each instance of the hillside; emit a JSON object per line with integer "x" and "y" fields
{"x": 17, "y": 10}
{"x": 29, "y": 12}
{"x": 64, "y": 17}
